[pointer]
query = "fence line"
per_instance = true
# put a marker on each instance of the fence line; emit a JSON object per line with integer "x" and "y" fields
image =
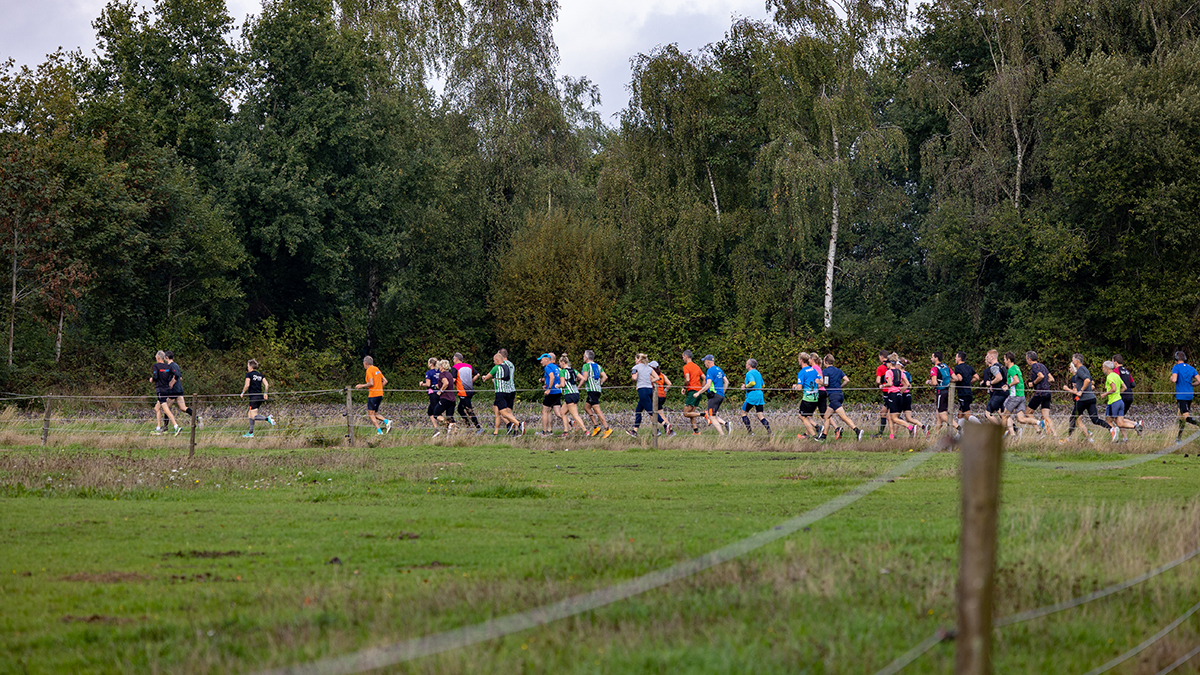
{"x": 1179, "y": 662}
{"x": 1145, "y": 644}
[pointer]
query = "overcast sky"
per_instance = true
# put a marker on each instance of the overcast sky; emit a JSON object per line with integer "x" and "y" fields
{"x": 595, "y": 39}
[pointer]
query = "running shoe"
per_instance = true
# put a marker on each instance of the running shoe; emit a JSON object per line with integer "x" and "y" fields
{"x": 670, "y": 430}
{"x": 892, "y": 436}
{"x": 435, "y": 434}
{"x": 387, "y": 428}
{"x": 837, "y": 434}
{"x": 1042, "y": 426}
{"x": 1116, "y": 433}
{"x": 1138, "y": 427}
{"x": 595, "y": 431}
{"x": 632, "y": 433}
{"x": 695, "y": 431}
{"x": 911, "y": 429}
{"x": 157, "y": 431}
{"x": 379, "y": 432}
{"x": 479, "y": 431}
{"x": 607, "y": 433}
{"x": 860, "y": 433}
{"x": 801, "y": 437}
{"x": 271, "y": 419}
{"x": 728, "y": 428}
{"x": 1091, "y": 440}
{"x": 178, "y": 429}
{"x": 248, "y": 434}
{"x": 522, "y": 429}
{"x": 564, "y": 434}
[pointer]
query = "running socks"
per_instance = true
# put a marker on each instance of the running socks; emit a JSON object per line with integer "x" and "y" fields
{"x": 746, "y": 421}
{"x": 766, "y": 424}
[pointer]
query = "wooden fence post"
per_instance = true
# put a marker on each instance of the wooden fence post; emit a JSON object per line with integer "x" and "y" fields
{"x": 195, "y": 413}
{"x": 981, "y": 451}
{"x": 951, "y": 409}
{"x": 46, "y": 420}
{"x": 349, "y": 417}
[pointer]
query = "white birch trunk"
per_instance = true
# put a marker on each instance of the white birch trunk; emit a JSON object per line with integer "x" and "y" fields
{"x": 833, "y": 235}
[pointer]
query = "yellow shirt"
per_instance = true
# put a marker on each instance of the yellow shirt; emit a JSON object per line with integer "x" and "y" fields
{"x": 375, "y": 382}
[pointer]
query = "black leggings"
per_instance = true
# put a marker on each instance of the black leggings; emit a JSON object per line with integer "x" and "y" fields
{"x": 1090, "y": 408}
{"x": 466, "y": 410}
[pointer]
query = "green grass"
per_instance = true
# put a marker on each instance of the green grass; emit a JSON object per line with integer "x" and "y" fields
{"x": 144, "y": 561}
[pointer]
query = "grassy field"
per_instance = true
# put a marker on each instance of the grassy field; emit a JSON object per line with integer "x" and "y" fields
{"x": 241, "y": 559}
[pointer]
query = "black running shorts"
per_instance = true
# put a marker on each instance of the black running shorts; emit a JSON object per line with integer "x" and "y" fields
{"x": 374, "y": 402}
{"x": 996, "y": 401}
{"x": 807, "y": 408}
{"x": 504, "y": 400}
{"x": 822, "y": 401}
{"x": 714, "y": 402}
{"x": 1185, "y": 407}
{"x": 570, "y": 399}
{"x": 894, "y": 402}
{"x": 756, "y": 407}
{"x": 552, "y": 400}
{"x": 964, "y": 403}
{"x": 941, "y": 400}
{"x": 1040, "y": 401}
{"x": 593, "y": 398}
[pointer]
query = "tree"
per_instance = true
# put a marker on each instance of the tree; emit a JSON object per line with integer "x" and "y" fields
{"x": 841, "y": 37}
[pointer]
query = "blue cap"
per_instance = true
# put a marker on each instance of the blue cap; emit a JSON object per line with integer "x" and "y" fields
{"x": 710, "y": 358}
{"x": 543, "y": 356}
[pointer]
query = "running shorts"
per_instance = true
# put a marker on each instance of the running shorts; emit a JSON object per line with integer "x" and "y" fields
{"x": 964, "y": 403}
{"x": 662, "y": 403}
{"x": 593, "y": 398}
{"x": 434, "y": 402}
{"x": 807, "y": 408}
{"x": 1116, "y": 409}
{"x": 1014, "y": 404}
{"x": 894, "y": 402}
{"x": 504, "y": 400}
{"x": 1185, "y": 407}
{"x": 692, "y": 399}
{"x": 746, "y": 407}
{"x": 941, "y": 400}
{"x": 836, "y": 399}
{"x": 552, "y": 400}
{"x": 570, "y": 399}
{"x": 714, "y": 402}
{"x": 255, "y": 404}
{"x": 162, "y": 396}
{"x": 1128, "y": 399}
{"x": 1040, "y": 401}
{"x": 373, "y": 403}
{"x": 822, "y": 401}
{"x": 906, "y": 401}
{"x": 996, "y": 401}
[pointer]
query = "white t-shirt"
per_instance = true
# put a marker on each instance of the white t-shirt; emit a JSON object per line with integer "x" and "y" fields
{"x": 645, "y": 375}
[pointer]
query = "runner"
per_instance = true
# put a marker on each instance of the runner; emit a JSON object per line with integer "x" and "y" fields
{"x": 808, "y": 383}
{"x": 501, "y": 376}
{"x": 161, "y": 376}
{"x": 663, "y": 383}
{"x": 570, "y": 387}
{"x": 1041, "y": 379}
{"x": 907, "y": 400}
{"x": 515, "y": 429}
{"x": 814, "y": 360}
{"x": 835, "y": 379}
{"x": 754, "y": 397}
{"x": 993, "y": 378}
{"x": 1126, "y": 393}
{"x": 894, "y": 383}
{"x": 431, "y": 391}
{"x": 715, "y": 384}
{"x": 175, "y": 395}
{"x": 552, "y": 395}
{"x": 1115, "y": 408}
{"x": 879, "y": 373}
{"x": 464, "y": 386}
{"x": 965, "y": 376}
{"x": 693, "y": 384}
{"x": 593, "y": 377}
{"x": 444, "y": 414}
{"x": 643, "y": 380}
{"x": 257, "y": 386}
{"x": 374, "y": 385}
{"x": 1014, "y": 404}
{"x": 1085, "y": 399}
{"x": 940, "y": 377}
{"x": 1184, "y": 377}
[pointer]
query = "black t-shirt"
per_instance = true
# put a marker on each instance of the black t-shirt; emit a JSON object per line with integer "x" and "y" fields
{"x": 178, "y": 375}
{"x": 1042, "y": 385}
{"x": 966, "y": 372}
{"x": 161, "y": 373}
{"x": 255, "y": 390}
{"x": 994, "y": 371}
{"x": 1127, "y": 378}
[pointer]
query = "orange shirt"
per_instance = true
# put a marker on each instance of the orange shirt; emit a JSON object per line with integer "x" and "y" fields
{"x": 375, "y": 380}
{"x": 693, "y": 375}
{"x": 659, "y": 380}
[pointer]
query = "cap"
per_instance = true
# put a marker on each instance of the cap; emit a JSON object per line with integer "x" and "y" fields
{"x": 709, "y": 357}
{"x": 543, "y": 356}
{"x": 654, "y": 364}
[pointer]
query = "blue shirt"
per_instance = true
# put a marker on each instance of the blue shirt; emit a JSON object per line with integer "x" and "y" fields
{"x": 834, "y": 376}
{"x": 754, "y": 382}
{"x": 1183, "y": 381}
{"x": 808, "y": 381}
{"x": 553, "y": 380}
{"x": 718, "y": 380}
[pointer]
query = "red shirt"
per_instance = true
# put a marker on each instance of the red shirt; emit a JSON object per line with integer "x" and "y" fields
{"x": 881, "y": 370}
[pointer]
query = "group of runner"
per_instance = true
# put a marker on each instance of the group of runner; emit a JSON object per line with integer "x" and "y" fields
{"x": 1011, "y": 398}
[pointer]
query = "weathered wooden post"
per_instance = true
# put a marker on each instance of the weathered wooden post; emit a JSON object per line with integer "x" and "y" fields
{"x": 194, "y": 415}
{"x": 981, "y": 451}
{"x": 46, "y": 419}
{"x": 349, "y": 417}
{"x": 654, "y": 413}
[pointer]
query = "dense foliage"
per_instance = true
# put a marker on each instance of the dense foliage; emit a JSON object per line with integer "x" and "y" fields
{"x": 990, "y": 174}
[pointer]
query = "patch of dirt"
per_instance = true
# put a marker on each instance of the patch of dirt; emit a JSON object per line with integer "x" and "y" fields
{"x": 205, "y": 554}
{"x": 105, "y": 577}
{"x": 207, "y": 576}
{"x": 1155, "y": 478}
{"x": 435, "y": 565}
{"x": 100, "y": 618}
